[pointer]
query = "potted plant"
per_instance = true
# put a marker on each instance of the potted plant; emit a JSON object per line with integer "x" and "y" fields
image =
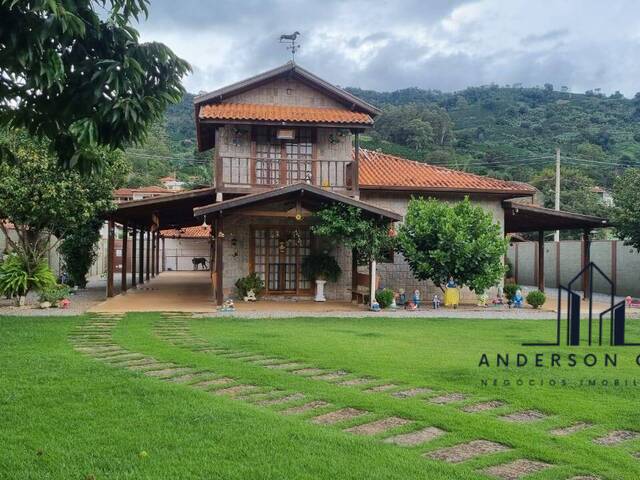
{"x": 321, "y": 267}
{"x": 250, "y": 283}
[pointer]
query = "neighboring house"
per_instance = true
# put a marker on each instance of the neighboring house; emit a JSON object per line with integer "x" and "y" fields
{"x": 605, "y": 196}
{"x": 140, "y": 193}
{"x": 171, "y": 183}
{"x": 286, "y": 143}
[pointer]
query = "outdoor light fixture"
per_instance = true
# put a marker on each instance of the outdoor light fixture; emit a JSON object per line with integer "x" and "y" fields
{"x": 286, "y": 134}
{"x": 204, "y": 222}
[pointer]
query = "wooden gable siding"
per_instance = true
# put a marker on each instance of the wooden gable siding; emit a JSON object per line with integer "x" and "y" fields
{"x": 286, "y": 91}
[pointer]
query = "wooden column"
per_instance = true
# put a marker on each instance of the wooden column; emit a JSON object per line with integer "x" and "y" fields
{"x": 354, "y": 274}
{"x": 158, "y": 251}
{"x": 153, "y": 252}
{"x": 586, "y": 258}
{"x": 111, "y": 253}
{"x": 125, "y": 255}
{"x": 541, "y": 260}
{"x": 219, "y": 260}
{"x": 141, "y": 257}
{"x": 134, "y": 258}
{"x": 356, "y": 164}
{"x": 148, "y": 256}
{"x": 164, "y": 255}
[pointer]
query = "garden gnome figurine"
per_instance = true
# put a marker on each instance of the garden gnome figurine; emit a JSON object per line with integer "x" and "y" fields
{"x": 436, "y": 302}
{"x": 250, "y": 296}
{"x": 416, "y": 297}
{"x": 402, "y": 297}
{"x": 518, "y": 299}
{"x": 375, "y": 307}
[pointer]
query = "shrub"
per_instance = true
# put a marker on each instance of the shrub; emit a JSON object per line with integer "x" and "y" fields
{"x": 17, "y": 280}
{"x": 536, "y": 298}
{"x": 321, "y": 266}
{"x": 509, "y": 266}
{"x": 54, "y": 294}
{"x": 250, "y": 282}
{"x": 510, "y": 290}
{"x": 384, "y": 297}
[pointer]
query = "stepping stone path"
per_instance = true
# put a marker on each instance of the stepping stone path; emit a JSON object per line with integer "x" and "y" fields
{"x": 467, "y": 451}
{"x": 381, "y": 388}
{"x": 285, "y": 366}
{"x": 617, "y": 436}
{"x": 568, "y": 430}
{"x": 306, "y": 407}
{"x": 448, "y": 398}
{"x": 167, "y": 372}
{"x": 308, "y": 371}
{"x": 356, "y": 381}
{"x": 235, "y": 390}
{"x": 378, "y": 426}
{"x": 412, "y": 392}
{"x": 338, "y": 416}
{"x": 294, "y": 397}
{"x": 213, "y": 382}
{"x": 483, "y": 406}
{"x": 516, "y": 469}
{"x": 331, "y": 375}
{"x": 416, "y": 438}
{"x": 525, "y": 416}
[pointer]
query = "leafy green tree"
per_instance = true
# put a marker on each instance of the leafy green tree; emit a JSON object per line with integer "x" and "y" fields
{"x": 439, "y": 241}
{"x": 626, "y": 196}
{"x": 76, "y": 73}
{"x": 346, "y": 225}
{"x": 576, "y": 193}
{"x": 47, "y": 202}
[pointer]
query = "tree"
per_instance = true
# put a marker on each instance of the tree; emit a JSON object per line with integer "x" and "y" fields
{"x": 439, "y": 241}
{"x": 345, "y": 224}
{"x": 576, "y": 194}
{"x": 76, "y": 73}
{"x": 45, "y": 201}
{"x": 626, "y": 196}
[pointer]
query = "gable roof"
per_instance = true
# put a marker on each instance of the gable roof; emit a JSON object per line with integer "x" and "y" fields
{"x": 290, "y": 68}
{"x": 283, "y": 113}
{"x": 381, "y": 171}
{"x": 305, "y": 191}
{"x": 186, "y": 232}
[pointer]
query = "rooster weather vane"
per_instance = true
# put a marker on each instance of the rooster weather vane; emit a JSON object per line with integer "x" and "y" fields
{"x": 291, "y": 40}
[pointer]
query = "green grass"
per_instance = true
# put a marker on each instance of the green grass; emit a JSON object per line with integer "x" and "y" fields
{"x": 64, "y": 415}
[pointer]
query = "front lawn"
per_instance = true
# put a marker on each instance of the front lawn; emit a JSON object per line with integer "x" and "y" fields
{"x": 75, "y": 401}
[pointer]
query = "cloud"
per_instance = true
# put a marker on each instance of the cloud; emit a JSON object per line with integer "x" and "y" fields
{"x": 441, "y": 44}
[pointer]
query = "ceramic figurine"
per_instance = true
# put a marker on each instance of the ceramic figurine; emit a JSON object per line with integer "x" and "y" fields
{"x": 250, "y": 296}
{"x": 375, "y": 307}
{"x": 410, "y": 306}
{"x": 227, "y": 306}
{"x": 394, "y": 305}
{"x": 451, "y": 283}
{"x": 482, "y": 299}
{"x": 416, "y": 297}
{"x": 498, "y": 300}
{"x": 402, "y": 297}
{"x": 436, "y": 302}
{"x": 518, "y": 299}
{"x": 451, "y": 294}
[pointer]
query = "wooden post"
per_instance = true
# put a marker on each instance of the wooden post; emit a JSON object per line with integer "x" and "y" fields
{"x": 125, "y": 252}
{"x": 354, "y": 274}
{"x": 164, "y": 255}
{"x": 158, "y": 251}
{"x": 141, "y": 257}
{"x": 110, "y": 257}
{"x": 541, "y": 260}
{"x": 148, "y": 256}
{"x": 586, "y": 258}
{"x": 153, "y": 252}
{"x": 219, "y": 260}
{"x": 356, "y": 164}
{"x": 134, "y": 258}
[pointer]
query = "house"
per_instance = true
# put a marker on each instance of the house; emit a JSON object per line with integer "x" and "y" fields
{"x": 604, "y": 195}
{"x": 284, "y": 144}
{"x": 140, "y": 193}
{"x": 171, "y": 183}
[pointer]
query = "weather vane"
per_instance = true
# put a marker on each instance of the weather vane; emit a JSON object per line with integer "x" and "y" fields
{"x": 291, "y": 40}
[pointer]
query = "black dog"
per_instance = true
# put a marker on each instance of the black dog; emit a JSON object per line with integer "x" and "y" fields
{"x": 199, "y": 261}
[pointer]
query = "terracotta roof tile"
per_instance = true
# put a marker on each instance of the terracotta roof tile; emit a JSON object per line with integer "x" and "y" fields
{"x": 282, "y": 113}
{"x": 186, "y": 232}
{"x": 383, "y": 170}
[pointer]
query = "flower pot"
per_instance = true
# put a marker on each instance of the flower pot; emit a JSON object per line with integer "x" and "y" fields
{"x": 320, "y": 291}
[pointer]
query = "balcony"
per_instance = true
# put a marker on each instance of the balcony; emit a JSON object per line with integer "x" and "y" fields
{"x": 254, "y": 173}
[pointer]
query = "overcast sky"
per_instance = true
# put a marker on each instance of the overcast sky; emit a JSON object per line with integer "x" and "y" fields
{"x": 388, "y": 45}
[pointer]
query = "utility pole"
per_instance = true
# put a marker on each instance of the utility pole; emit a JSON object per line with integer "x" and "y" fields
{"x": 556, "y": 236}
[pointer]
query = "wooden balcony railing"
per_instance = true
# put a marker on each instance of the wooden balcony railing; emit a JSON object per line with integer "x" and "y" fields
{"x": 257, "y": 172}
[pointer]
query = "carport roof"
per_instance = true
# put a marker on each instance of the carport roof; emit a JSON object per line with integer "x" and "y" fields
{"x": 309, "y": 193}
{"x": 522, "y": 217}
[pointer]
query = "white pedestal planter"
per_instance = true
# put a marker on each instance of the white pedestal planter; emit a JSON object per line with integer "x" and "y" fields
{"x": 320, "y": 291}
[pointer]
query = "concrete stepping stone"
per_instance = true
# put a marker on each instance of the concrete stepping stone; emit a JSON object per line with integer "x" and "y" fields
{"x": 570, "y": 429}
{"x": 111, "y": 354}
{"x": 448, "y": 398}
{"x": 636, "y": 455}
{"x": 331, "y": 375}
{"x": 251, "y": 358}
{"x": 167, "y": 372}
{"x": 416, "y": 438}
{"x": 123, "y": 358}
{"x": 98, "y": 349}
{"x": 354, "y": 382}
{"x": 483, "y": 406}
{"x": 467, "y": 451}
{"x": 285, "y": 366}
{"x": 260, "y": 395}
{"x": 268, "y": 361}
{"x": 186, "y": 378}
{"x": 412, "y": 392}
{"x": 306, "y": 407}
{"x": 516, "y": 469}
{"x": 151, "y": 366}
{"x": 525, "y": 416}
{"x": 308, "y": 372}
{"x": 338, "y": 416}
{"x": 235, "y": 354}
{"x": 585, "y": 477}
{"x": 137, "y": 363}
{"x": 616, "y": 436}
{"x": 381, "y": 388}
{"x": 276, "y": 401}
{"x": 213, "y": 382}
{"x": 378, "y": 426}
{"x": 235, "y": 390}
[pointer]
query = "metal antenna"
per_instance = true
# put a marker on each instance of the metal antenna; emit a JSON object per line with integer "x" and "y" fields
{"x": 291, "y": 40}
